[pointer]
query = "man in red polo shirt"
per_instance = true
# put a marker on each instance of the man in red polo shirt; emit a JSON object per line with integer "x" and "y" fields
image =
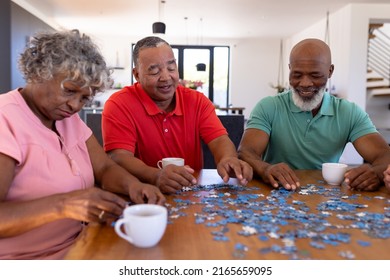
{"x": 156, "y": 118}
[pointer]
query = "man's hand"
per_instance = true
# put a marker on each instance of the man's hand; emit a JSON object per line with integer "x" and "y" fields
{"x": 232, "y": 167}
{"x": 173, "y": 178}
{"x": 362, "y": 178}
{"x": 281, "y": 173}
{"x": 145, "y": 193}
{"x": 386, "y": 177}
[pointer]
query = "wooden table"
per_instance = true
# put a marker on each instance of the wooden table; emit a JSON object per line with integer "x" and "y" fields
{"x": 185, "y": 239}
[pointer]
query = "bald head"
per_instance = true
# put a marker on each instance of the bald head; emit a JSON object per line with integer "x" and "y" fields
{"x": 310, "y": 68}
{"x": 313, "y": 50}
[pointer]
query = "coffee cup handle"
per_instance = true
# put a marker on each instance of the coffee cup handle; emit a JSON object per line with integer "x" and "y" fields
{"x": 118, "y": 229}
{"x": 159, "y": 164}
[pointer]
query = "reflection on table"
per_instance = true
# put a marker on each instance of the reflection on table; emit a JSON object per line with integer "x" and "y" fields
{"x": 217, "y": 221}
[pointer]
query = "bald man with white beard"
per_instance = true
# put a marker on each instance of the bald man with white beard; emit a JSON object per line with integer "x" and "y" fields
{"x": 305, "y": 126}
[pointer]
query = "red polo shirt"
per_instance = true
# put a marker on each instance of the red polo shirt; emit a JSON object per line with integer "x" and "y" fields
{"x": 132, "y": 121}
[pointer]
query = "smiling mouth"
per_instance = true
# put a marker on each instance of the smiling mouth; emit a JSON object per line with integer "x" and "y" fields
{"x": 307, "y": 93}
{"x": 165, "y": 88}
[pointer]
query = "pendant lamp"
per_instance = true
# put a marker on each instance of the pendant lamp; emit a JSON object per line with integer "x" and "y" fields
{"x": 158, "y": 27}
{"x": 200, "y": 67}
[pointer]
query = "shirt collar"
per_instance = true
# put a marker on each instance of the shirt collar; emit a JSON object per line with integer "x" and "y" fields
{"x": 151, "y": 107}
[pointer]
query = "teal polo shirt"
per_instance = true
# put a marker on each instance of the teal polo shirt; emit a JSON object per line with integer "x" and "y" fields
{"x": 303, "y": 141}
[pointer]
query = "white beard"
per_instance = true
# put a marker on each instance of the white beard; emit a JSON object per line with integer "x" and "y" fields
{"x": 307, "y": 105}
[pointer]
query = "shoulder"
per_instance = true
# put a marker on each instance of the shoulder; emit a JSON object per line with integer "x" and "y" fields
{"x": 189, "y": 93}
{"x": 344, "y": 105}
{"x": 270, "y": 102}
{"x": 124, "y": 93}
{"x": 8, "y": 98}
{"x": 123, "y": 99}
{"x": 192, "y": 98}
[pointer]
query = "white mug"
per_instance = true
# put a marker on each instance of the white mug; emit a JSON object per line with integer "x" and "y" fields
{"x": 170, "y": 160}
{"x": 144, "y": 224}
{"x": 333, "y": 173}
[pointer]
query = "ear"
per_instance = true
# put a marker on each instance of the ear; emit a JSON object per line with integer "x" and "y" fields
{"x": 136, "y": 74}
{"x": 331, "y": 69}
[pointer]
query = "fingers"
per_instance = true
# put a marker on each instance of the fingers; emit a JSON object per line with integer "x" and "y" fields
{"x": 247, "y": 171}
{"x": 363, "y": 183}
{"x": 109, "y": 207}
{"x": 154, "y": 197}
{"x": 362, "y": 178}
{"x": 145, "y": 193}
{"x": 233, "y": 167}
{"x": 173, "y": 178}
{"x": 92, "y": 205}
{"x": 282, "y": 174}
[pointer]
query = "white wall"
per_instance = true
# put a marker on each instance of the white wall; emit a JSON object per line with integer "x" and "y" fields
{"x": 254, "y": 65}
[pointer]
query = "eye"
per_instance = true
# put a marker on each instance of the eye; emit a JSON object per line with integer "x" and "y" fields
{"x": 86, "y": 98}
{"x": 317, "y": 76}
{"x": 68, "y": 91}
{"x": 296, "y": 75}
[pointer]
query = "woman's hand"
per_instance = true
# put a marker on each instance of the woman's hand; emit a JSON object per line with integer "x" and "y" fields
{"x": 92, "y": 205}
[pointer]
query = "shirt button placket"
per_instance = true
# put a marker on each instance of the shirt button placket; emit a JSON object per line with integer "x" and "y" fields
{"x": 164, "y": 125}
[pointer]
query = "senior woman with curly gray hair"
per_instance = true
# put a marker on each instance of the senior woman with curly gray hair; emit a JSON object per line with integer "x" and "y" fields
{"x": 54, "y": 176}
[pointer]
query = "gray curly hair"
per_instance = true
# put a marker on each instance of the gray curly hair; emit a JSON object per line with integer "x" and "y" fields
{"x": 65, "y": 52}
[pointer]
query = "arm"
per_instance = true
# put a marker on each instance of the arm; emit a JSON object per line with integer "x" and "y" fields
{"x": 18, "y": 217}
{"x": 252, "y": 146}
{"x": 374, "y": 149}
{"x": 114, "y": 178}
{"x": 226, "y": 159}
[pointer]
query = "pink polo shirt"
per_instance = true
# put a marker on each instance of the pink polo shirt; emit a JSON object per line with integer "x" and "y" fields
{"x": 43, "y": 168}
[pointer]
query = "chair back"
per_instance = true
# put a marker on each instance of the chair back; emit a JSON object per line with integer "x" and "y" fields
{"x": 234, "y": 125}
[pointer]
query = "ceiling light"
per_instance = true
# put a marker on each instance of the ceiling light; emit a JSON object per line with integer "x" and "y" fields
{"x": 159, "y": 27}
{"x": 201, "y": 67}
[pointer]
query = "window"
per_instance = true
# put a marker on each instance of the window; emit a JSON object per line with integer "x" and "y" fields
{"x": 215, "y": 78}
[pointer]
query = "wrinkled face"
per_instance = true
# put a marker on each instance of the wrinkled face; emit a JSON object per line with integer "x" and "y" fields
{"x": 55, "y": 100}
{"x": 308, "y": 78}
{"x": 157, "y": 73}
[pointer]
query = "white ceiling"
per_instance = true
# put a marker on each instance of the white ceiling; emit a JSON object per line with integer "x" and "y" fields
{"x": 205, "y": 18}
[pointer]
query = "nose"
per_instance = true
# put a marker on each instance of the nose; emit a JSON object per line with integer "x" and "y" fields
{"x": 75, "y": 103}
{"x": 305, "y": 81}
{"x": 165, "y": 75}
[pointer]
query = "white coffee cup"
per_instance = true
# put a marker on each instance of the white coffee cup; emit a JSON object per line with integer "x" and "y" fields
{"x": 333, "y": 173}
{"x": 170, "y": 160}
{"x": 144, "y": 224}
